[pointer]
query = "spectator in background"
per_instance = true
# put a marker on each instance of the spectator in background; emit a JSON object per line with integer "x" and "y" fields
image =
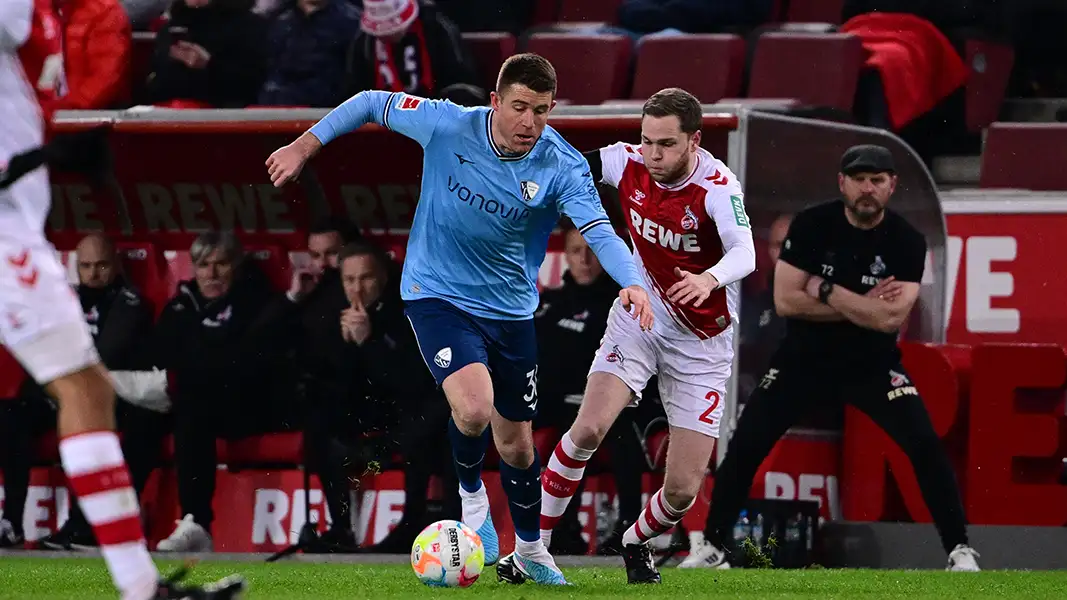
{"x": 310, "y": 43}
{"x": 212, "y": 52}
{"x": 121, "y": 325}
{"x": 96, "y": 41}
{"x": 570, "y": 323}
{"x": 225, "y": 357}
{"x": 410, "y": 46}
{"x": 512, "y": 16}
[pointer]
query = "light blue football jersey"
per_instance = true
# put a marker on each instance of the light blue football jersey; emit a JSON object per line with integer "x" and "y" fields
{"x": 483, "y": 219}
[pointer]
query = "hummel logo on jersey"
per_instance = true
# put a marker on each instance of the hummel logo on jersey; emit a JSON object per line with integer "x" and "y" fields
{"x": 463, "y": 160}
{"x": 529, "y": 190}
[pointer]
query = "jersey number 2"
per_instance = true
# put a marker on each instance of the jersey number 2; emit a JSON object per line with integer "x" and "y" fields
{"x": 706, "y": 416}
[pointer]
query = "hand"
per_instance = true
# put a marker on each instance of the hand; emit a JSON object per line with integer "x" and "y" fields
{"x": 693, "y": 287}
{"x": 887, "y": 289}
{"x": 355, "y": 324}
{"x": 288, "y": 161}
{"x": 812, "y": 288}
{"x": 191, "y": 55}
{"x": 303, "y": 283}
{"x": 637, "y": 297}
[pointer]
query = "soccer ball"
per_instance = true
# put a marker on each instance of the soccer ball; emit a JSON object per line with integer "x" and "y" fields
{"x": 448, "y": 554}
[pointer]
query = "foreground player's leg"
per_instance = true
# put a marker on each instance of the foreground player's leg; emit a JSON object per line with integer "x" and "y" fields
{"x": 97, "y": 473}
{"x": 687, "y": 461}
{"x": 905, "y": 419}
{"x": 605, "y": 397}
{"x": 470, "y": 394}
{"x": 520, "y": 475}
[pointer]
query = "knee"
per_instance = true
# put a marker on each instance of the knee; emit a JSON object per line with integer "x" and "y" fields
{"x": 680, "y": 493}
{"x": 516, "y": 448}
{"x": 473, "y": 417}
{"x": 589, "y": 433}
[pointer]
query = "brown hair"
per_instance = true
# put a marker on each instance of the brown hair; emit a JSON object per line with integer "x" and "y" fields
{"x": 531, "y": 70}
{"x": 679, "y": 103}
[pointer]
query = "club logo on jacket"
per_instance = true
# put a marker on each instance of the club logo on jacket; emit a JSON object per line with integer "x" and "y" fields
{"x": 219, "y": 319}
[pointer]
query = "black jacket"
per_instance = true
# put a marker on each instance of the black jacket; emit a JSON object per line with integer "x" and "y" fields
{"x": 570, "y": 323}
{"x": 229, "y": 351}
{"x": 309, "y": 54}
{"x": 387, "y": 370}
{"x": 236, "y": 39}
{"x": 121, "y": 323}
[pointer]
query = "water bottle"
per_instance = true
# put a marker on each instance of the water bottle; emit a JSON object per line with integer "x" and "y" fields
{"x": 757, "y": 531}
{"x": 742, "y": 529}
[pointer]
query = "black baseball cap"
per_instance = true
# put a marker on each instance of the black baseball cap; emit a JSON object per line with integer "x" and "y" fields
{"x": 867, "y": 158}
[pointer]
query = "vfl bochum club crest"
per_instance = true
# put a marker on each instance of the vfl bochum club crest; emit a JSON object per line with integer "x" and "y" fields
{"x": 529, "y": 190}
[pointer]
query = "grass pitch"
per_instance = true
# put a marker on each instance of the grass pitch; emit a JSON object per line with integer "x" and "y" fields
{"x": 43, "y": 578}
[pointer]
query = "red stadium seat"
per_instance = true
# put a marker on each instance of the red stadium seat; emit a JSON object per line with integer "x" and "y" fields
{"x": 600, "y": 74}
{"x": 11, "y": 376}
{"x": 1025, "y": 156}
{"x": 815, "y": 11}
{"x": 146, "y": 268}
{"x": 816, "y": 69}
{"x": 489, "y": 51}
{"x": 590, "y": 11}
{"x": 274, "y": 260}
{"x": 709, "y": 66}
{"x": 990, "y": 65}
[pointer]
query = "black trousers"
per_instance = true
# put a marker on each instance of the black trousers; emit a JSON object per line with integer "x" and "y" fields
{"x": 792, "y": 387}
{"x": 202, "y": 418}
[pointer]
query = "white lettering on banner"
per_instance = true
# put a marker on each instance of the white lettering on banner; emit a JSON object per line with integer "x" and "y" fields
{"x": 296, "y": 522}
{"x": 781, "y": 486}
{"x": 41, "y": 502}
{"x": 201, "y": 207}
{"x": 984, "y": 284}
{"x": 383, "y": 508}
{"x": 271, "y": 507}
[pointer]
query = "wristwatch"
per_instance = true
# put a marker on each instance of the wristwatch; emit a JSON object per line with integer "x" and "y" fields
{"x": 824, "y": 291}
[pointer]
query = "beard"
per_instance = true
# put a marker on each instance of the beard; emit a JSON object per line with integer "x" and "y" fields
{"x": 866, "y": 209}
{"x": 676, "y": 174}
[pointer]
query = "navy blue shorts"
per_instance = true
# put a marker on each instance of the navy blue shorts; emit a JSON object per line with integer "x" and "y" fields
{"x": 450, "y": 339}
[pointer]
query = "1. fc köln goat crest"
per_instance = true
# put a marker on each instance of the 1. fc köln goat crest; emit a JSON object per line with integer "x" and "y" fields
{"x": 689, "y": 221}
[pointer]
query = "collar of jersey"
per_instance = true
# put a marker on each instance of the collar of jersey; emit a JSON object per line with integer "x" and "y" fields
{"x": 496, "y": 150}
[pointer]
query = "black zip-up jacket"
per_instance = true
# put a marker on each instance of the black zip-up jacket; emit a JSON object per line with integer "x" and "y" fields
{"x": 229, "y": 350}
{"x": 570, "y": 323}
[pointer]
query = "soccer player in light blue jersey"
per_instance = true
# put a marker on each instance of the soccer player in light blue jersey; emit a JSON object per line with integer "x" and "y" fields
{"x": 495, "y": 181}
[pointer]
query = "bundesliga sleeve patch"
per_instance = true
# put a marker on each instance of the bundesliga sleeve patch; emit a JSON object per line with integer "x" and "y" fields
{"x": 739, "y": 212}
{"x": 408, "y": 102}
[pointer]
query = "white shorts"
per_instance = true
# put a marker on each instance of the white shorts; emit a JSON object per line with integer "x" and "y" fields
{"x": 41, "y": 319}
{"x": 693, "y": 373}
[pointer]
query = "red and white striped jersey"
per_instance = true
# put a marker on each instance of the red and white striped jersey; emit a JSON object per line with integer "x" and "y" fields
{"x": 31, "y": 67}
{"x": 690, "y": 225}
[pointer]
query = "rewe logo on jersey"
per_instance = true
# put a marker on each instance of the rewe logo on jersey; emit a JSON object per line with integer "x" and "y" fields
{"x": 658, "y": 234}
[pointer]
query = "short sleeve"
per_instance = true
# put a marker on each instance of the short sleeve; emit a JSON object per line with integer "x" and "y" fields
{"x": 801, "y": 247}
{"x": 613, "y": 160}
